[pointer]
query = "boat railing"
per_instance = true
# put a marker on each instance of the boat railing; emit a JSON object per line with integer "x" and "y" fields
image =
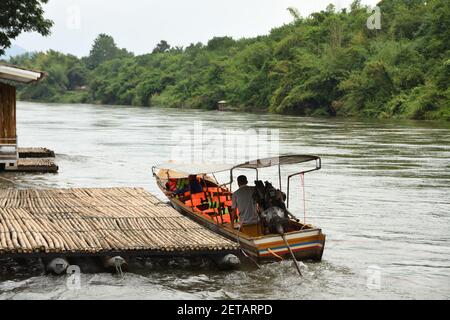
{"x": 318, "y": 167}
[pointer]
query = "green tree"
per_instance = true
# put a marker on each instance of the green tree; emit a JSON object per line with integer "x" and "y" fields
{"x": 77, "y": 76}
{"x": 295, "y": 13}
{"x": 104, "y": 49}
{"x": 161, "y": 47}
{"x": 21, "y": 16}
{"x": 327, "y": 64}
{"x": 220, "y": 43}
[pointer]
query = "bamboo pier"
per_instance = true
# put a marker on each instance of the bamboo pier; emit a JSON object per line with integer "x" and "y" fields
{"x": 36, "y": 165}
{"x": 98, "y": 221}
{"x": 13, "y": 158}
{"x": 35, "y": 152}
{"x": 37, "y": 160}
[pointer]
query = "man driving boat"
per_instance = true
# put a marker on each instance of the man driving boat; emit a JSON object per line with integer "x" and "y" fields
{"x": 243, "y": 201}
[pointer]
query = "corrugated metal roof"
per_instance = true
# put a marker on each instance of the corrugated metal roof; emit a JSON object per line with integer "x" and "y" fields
{"x": 17, "y": 74}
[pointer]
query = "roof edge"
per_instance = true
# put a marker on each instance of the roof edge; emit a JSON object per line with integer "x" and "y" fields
{"x": 20, "y": 74}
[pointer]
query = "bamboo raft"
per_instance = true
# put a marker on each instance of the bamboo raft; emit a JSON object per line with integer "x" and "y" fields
{"x": 78, "y": 222}
{"x": 40, "y": 160}
{"x": 36, "y": 165}
{"x": 36, "y": 153}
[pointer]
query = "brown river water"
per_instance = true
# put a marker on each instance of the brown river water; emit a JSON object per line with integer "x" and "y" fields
{"x": 382, "y": 197}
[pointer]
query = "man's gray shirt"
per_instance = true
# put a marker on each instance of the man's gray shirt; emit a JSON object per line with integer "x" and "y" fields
{"x": 243, "y": 201}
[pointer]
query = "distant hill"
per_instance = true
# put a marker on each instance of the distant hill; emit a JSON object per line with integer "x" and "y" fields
{"x": 12, "y": 52}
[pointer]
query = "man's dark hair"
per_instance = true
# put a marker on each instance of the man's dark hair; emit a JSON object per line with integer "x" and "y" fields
{"x": 242, "y": 180}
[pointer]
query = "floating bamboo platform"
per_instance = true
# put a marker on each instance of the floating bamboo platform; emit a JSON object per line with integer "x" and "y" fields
{"x": 36, "y": 153}
{"x": 79, "y": 222}
{"x": 34, "y": 160}
{"x": 36, "y": 165}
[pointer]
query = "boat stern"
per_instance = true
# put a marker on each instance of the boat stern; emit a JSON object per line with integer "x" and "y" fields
{"x": 305, "y": 245}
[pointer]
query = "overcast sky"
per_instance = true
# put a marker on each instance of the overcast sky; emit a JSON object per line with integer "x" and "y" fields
{"x": 138, "y": 25}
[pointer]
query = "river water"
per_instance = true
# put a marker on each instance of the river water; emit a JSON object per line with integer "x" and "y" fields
{"x": 382, "y": 197}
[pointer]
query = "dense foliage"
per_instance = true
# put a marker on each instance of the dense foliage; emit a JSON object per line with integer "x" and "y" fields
{"x": 329, "y": 63}
{"x": 21, "y": 16}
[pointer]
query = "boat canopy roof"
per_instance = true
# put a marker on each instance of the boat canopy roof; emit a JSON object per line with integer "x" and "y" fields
{"x": 178, "y": 170}
{"x": 275, "y": 161}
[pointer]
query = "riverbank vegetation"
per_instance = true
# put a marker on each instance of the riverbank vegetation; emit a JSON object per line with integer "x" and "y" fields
{"x": 329, "y": 63}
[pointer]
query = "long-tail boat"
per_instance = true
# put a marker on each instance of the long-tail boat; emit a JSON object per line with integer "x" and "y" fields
{"x": 212, "y": 207}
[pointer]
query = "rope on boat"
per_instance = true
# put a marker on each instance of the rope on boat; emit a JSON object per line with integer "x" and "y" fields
{"x": 274, "y": 254}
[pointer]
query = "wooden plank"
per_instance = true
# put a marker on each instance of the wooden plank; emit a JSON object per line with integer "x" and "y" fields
{"x": 36, "y": 165}
{"x": 7, "y": 113}
{"x": 36, "y": 153}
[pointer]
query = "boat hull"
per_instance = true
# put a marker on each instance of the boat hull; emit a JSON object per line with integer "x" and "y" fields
{"x": 306, "y": 244}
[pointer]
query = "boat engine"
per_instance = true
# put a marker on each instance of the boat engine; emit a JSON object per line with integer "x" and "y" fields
{"x": 274, "y": 212}
{"x": 275, "y": 219}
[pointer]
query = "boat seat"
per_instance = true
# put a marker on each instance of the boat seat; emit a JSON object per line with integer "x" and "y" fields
{"x": 213, "y": 202}
{"x": 217, "y": 213}
{"x": 213, "y": 214}
{"x": 222, "y": 201}
{"x": 198, "y": 195}
{"x": 226, "y": 219}
{"x": 214, "y": 190}
{"x": 224, "y": 195}
{"x": 196, "y": 209}
{"x": 210, "y": 212}
{"x": 194, "y": 202}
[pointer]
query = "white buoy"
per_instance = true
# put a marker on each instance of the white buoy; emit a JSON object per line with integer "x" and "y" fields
{"x": 57, "y": 266}
{"x": 229, "y": 262}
